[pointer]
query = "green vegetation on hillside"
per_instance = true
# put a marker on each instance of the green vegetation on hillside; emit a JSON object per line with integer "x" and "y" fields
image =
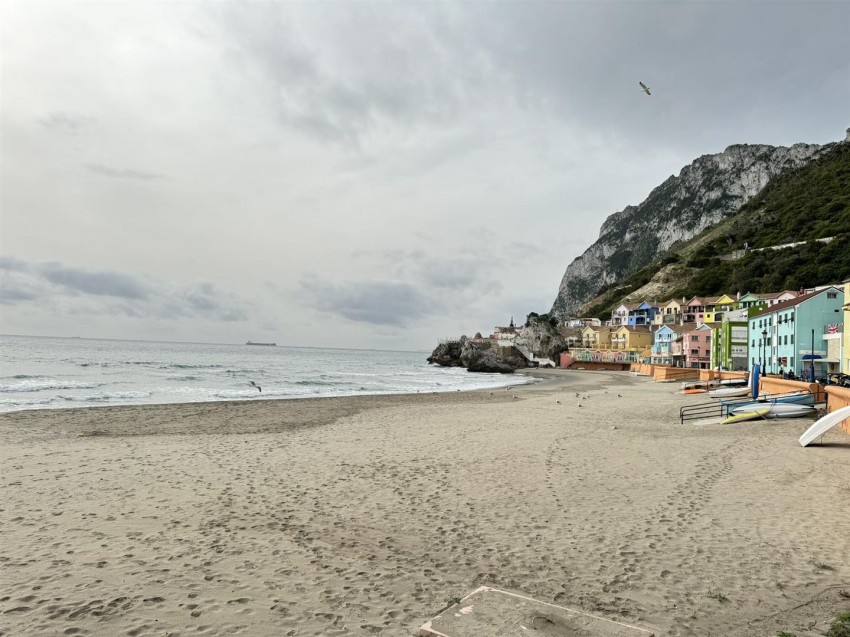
{"x": 808, "y": 203}
{"x": 773, "y": 270}
{"x": 812, "y": 202}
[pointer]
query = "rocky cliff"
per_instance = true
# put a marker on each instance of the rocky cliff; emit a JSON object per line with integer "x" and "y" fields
{"x": 539, "y": 337}
{"x": 704, "y": 193}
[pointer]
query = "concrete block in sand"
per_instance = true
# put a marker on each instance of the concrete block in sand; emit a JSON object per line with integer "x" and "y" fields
{"x": 497, "y": 613}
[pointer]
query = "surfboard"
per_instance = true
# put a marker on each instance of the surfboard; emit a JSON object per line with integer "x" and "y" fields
{"x": 747, "y": 415}
{"x": 729, "y": 392}
{"x": 823, "y": 425}
{"x": 694, "y": 391}
{"x": 800, "y": 398}
{"x": 778, "y": 410}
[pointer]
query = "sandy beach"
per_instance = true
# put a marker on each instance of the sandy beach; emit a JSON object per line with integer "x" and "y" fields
{"x": 364, "y": 515}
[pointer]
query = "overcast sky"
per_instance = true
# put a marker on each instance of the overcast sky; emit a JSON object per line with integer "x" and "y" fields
{"x": 364, "y": 174}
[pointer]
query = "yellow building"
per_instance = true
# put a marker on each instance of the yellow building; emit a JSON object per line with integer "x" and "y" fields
{"x": 596, "y": 337}
{"x": 632, "y": 337}
{"x": 670, "y": 313}
{"x": 717, "y": 306}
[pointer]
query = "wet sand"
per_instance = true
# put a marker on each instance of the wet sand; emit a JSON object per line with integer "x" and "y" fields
{"x": 362, "y": 516}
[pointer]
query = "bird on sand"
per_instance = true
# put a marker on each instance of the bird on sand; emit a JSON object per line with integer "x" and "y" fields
{"x": 557, "y": 401}
{"x": 253, "y": 384}
{"x": 645, "y": 88}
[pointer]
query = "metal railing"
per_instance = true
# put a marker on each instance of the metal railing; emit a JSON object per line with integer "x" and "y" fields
{"x": 722, "y": 408}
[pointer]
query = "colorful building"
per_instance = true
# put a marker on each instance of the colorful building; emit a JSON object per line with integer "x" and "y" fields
{"x": 596, "y": 337}
{"x": 642, "y": 314}
{"x": 790, "y": 335}
{"x": 632, "y": 337}
{"x": 606, "y": 345}
{"x": 669, "y": 313}
{"x": 717, "y": 306}
{"x": 620, "y": 315}
{"x": 696, "y": 346}
{"x": 729, "y": 344}
{"x": 663, "y": 341}
{"x": 694, "y": 311}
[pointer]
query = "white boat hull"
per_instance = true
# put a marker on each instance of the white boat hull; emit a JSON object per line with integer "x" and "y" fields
{"x": 779, "y": 410}
{"x": 729, "y": 392}
{"x": 823, "y": 425}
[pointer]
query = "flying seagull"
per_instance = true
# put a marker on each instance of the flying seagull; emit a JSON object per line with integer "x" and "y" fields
{"x": 253, "y": 384}
{"x": 645, "y": 88}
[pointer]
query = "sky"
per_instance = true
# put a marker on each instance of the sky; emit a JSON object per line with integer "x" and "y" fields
{"x": 364, "y": 174}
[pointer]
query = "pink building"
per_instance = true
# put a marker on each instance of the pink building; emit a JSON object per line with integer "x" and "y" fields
{"x": 696, "y": 346}
{"x": 694, "y": 311}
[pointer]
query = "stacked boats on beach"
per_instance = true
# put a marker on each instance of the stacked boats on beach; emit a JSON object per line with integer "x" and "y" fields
{"x": 740, "y": 400}
{"x": 795, "y": 405}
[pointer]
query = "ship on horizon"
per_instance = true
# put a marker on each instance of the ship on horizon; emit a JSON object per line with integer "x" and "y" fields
{"x": 266, "y": 344}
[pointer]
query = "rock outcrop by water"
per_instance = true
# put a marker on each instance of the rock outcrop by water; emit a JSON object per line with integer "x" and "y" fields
{"x": 490, "y": 362}
{"x": 703, "y": 194}
{"x": 463, "y": 353}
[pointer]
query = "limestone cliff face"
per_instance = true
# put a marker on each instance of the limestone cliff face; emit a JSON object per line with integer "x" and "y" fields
{"x": 704, "y": 192}
{"x": 542, "y": 339}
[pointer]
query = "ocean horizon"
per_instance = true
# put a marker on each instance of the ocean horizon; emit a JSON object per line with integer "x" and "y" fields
{"x": 58, "y": 372}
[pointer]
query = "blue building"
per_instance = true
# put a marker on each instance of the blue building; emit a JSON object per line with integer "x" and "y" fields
{"x": 662, "y": 345}
{"x": 642, "y": 314}
{"x": 789, "y": 336}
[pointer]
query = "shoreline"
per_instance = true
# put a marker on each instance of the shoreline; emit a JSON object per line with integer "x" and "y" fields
{"x": 362, "y": 515}
{"x": 277, "y": 398}
{"x": 538, "y": 377}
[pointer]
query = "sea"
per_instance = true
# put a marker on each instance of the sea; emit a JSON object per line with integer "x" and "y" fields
{"x": 58, "y": 373}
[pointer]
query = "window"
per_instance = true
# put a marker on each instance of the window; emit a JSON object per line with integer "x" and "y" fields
{"x": 792, "y": 362}
{"x": 831, "y": 295}
{"x": 792, "y": 339}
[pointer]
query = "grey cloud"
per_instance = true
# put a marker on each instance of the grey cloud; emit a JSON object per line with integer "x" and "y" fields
{"x": 206, "y": 299}
{"x": 337, "y": 74}
{"x": 13, "y": 265}
{"x": 80, "y": 291}
{"x": 122, "y": 173}
{"x": 364, "y": 66}
{"x": 65, "y": 122}
{"x": 454, "y": 274}
{"x": 720, "y": 70}
{"x": 11, "y": 293}
{"x": 377, "y": 302}
{"x": 472, "y": 273}
{"x": 93, "y": 282}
